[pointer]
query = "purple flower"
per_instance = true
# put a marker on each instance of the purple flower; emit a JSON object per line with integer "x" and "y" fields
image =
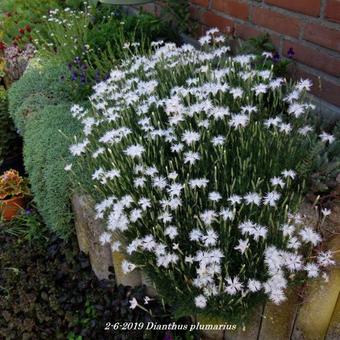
{"x": 276, "y": 57}
{"x": 290, "y": 52}
{"x": 168, "y": 336}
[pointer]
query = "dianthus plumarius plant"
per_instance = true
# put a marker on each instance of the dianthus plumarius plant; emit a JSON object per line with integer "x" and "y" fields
{"x": 194, "y": 157}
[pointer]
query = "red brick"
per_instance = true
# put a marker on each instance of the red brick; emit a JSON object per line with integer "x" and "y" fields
{"x": 213, "y": 20}
{"x": 332, "y": 10}
{"x": 203, "y": 3}
{"x": 276, "y": 21}
{"x": 322, "y": 36}
{"x": 314, "y": 58}
{"x": 194, "y": 13}
{"x": 309, "y": 7}
{"x": 325, "y": 89}
{"x": 233, "y": 8}
{"x": 245, "y": 31}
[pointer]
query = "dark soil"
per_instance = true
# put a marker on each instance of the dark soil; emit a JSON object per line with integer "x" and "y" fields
{"x": 48, "y": 291}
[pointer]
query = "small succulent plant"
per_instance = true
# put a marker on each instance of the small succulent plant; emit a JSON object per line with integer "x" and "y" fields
{"x": 12, "y": 184}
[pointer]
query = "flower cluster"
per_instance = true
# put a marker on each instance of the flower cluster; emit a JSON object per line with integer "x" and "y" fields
{"x": 23, "y": 37}
{"x": 67, "y": 31}
{"x": 16, "y": 60}
{"x": 193, "y": 157}
{"x": 12, "y": 184}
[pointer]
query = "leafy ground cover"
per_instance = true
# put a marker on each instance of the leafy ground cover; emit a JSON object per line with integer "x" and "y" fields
{"x": 47, "y": 290}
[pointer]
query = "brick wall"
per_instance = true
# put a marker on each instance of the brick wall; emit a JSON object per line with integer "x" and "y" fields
{"x": 310, "y": 27}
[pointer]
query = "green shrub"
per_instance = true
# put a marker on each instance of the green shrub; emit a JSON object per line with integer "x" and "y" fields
{"x": 45, "y": 154}
{"x": 38, "y": 105}
{"x": 16, "y": 14}
{"x": 324, "y": 164}
{"x": 40, "y": 85}
{"x": 92, "y": 40}
{"x": 197, "y": 163}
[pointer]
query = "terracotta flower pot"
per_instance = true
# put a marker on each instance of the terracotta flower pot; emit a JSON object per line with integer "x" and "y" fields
{"x": 9, "y": 208}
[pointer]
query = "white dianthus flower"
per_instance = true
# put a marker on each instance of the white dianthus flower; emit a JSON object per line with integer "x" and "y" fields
{"x": 308, "y": 235}
{"x": 296, "y": 109}
{"x": 233, "y": 285}
{"x": 215, "y": 196}
{"x": 135, "y": 215}
{"x": 134, "y": 150}
{"x": 198, "y": 183}
{"x": 171, "y": 231}
{"x": 190, "y": 137}
{"x": 208, "y": 216}
{"x": 195, "y": 235}
{"x": 252, "y": 198}
{"x": 235, "y": 199}
{"x": 210, "y": 238}
{"x": 218, "y": 140}
{"x": 116, "y": 246}
{"x": 277, "y": 181}
{"x": 254, "y": 285}
{"x": 144, "y": 203}
{"x": 260, "y": 89}
{"x": 239, "y": 120}
{"x": 200, "y": 301}
{"x": 326, "y": 212}
{"x": 133, "y": 303}
{"x": 78, "y": 149}
{"x": 205, "y": 40}
{"x": 326, "y": 137}
{"x": 139, "y": 182}
{"x": 226, "y": 214}
{"x": 325, "y": 259}
{"x": 191, "y": 157}
{"x": 104, "y": 238}
{"x": 312, "y": 270}
{"x": 271, "y": 198}
{"x": 151, "y": 171}
{"x": 177, "y": 147}
{"x": 237, "y": 92}
{"x": 127, "y": 266}
{"x": 305, "y": 130}
{"x": 288, "y": 174}
{"x": 175, "y": 189}
{"x": 68, "y": 167}
{"x": 159, "y": 182}
{"x": 242, "y": 246}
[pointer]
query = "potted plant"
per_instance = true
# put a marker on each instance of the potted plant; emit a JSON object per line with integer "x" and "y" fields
{"x": 13, "y": 189}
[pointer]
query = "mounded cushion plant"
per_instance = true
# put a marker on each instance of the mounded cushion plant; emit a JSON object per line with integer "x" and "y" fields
{"x": 41, "y": 85}
{"x": 45, "y": 152}
{"x": 195, "y": 157}
{"x": 39, "y": 104}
